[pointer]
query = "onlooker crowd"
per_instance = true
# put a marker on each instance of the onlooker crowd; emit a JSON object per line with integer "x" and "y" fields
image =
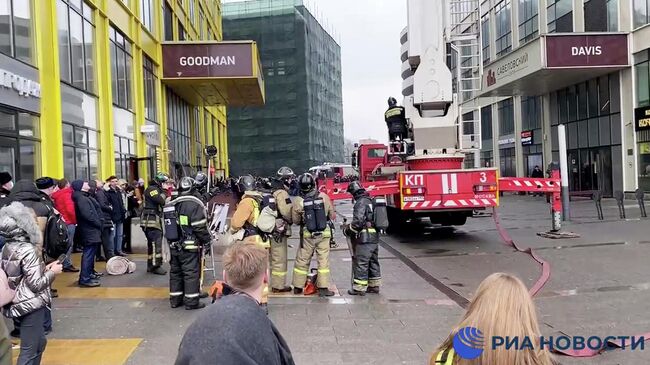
{"x": 96, "y": 214}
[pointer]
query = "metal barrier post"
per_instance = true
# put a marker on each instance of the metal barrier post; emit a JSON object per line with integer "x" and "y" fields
{"x": 640, "y": 197}
{"x": 598, "y": 197}
{"x": 556, "y": 203}
{"x": 620, "y": 201}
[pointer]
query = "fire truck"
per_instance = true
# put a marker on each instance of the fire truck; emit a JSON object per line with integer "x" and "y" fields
{"x": 423, "y": 174}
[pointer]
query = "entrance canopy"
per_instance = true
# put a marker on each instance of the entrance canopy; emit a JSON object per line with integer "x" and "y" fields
{"x": 214, "y": 73}
{"x": 555, "y": 61}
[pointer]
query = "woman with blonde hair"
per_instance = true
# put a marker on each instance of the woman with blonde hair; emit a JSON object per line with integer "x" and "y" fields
{"x": 501, "y": 307}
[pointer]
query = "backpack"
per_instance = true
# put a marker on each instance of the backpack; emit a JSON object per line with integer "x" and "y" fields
{"x": 55, "y": 240}
{"x": 380, "y": 213}
{"x": 315, "y": 214}
{"x": 268, "y": 214}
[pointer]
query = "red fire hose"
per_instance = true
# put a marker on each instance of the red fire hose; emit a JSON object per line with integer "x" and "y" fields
{"x": 542, "y": 280}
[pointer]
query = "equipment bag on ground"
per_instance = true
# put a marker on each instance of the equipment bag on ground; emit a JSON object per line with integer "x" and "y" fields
{"x": 315, "y": 214}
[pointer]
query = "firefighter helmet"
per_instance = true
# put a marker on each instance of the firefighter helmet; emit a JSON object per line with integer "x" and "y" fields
{"x": 392, "y": 102}
{"x": 161, "y": 177}
{"x": 246, "y": 183}
{"x": 285, "y": 172}
{"x": 186, "y": 184}
{"x": 355, "y": 188}
{"x": 201, "y": 179}
{"x": 306, "y": 182}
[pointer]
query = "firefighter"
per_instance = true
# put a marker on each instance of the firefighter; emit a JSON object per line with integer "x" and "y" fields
{"x": 155, "y": 197}
{"x": 312, "y": 210}
{"x": 365, "y": 243}
{"x": 245, "y": 218}
{"x": 395, "y": 121}
{"x": 185, "y": 262}
{"x": 201, "y": 183}
{"x": 280, "y": 238}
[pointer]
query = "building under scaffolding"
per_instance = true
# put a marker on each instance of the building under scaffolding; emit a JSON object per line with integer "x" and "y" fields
{"x": 301, "y": 124}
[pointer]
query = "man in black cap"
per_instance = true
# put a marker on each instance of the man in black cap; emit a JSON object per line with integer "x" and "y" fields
{"x": 5, "y": 187}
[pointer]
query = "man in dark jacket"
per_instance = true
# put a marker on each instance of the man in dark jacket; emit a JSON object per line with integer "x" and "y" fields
{"x": 365, "y": 243}
{"x": 236, "y": 330}
{"x": 89, "y": 229}
{"x": 114, "y": 195}
{"x": 108, "y": 228}
{"x": 537, "y": 173}
{"x": 6, "y": 184}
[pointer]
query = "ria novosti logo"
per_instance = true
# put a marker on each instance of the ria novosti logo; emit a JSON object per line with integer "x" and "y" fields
{"x": 468, "y": 343}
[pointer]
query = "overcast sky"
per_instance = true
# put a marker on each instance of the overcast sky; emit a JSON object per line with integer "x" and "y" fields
{"x": 368, "y": 32}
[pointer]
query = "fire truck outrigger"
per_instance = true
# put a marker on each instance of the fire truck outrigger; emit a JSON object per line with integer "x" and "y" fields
{"x": 422, "y": 175}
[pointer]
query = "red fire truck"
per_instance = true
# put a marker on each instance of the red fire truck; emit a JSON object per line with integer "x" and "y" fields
{"x": 422, "y": 174}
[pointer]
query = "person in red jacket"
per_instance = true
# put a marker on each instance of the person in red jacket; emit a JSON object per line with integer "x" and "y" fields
{"x": 63, "y": 203}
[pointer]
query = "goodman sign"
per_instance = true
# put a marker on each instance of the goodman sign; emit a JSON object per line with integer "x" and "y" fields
{"x": 207, "y": 60}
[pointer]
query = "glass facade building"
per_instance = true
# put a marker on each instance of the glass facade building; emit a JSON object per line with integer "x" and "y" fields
{"x": 79, "y": 117}
{"x": 522, "y": 107}
{"x": 302, "y": 121}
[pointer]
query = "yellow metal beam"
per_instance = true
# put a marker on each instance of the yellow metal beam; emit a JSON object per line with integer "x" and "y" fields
{"x": 104, "y": 91}
{"x": 49, "y": 75}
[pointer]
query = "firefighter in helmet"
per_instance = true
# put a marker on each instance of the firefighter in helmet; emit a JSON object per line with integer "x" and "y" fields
{"x": 395, "y": 118}
{"x": 201, "y": 190}
{"x": 278, "y": 255}
{"x": 312, "y": 210}
{"x": 155, "y": 197}
{"x": 245, "y": 218}
{"x": 365, "y": 243}
{"x": 185, "y": 262}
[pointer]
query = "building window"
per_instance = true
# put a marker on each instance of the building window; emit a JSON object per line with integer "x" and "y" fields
{"x": 503, "y": 28}
{"x": 506, "y": 117}
{"x": 16, "y": 34}
{"x": 201, "y": 25}
{"x": 19, "y": 144}
{"x": 146, "y": 10}
{"x": 485, "y": 38}
{"x": 121, "y": 64}
{"x": 508, "y": 162}
{"x": 124, "y": 153}
{"x": 560, "y": 16}
{"x": 531, "y": 113}
{"x": 76, "y": 44}
{"x": 642, "y": 69}
{"x": 181, "y": 31}
{"x": 601, "y": 15}
{"x": 528, "y": 20}
{"x": 169, "y": 21}
{"x": 486, "y": 123}
{"x": 80, "y": 152}
{"x": 641, "y": 13}
{"x": 178, "y": 133}
{"x": 150, "y": 82}
{"x": 192, "y": 14}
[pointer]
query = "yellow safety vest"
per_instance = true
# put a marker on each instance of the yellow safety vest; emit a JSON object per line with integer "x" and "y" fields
{"x": 446, "y": 357}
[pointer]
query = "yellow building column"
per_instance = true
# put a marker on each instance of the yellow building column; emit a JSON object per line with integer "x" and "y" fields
{"x": 105, "y": 93}
{"x": 49, "y": 75}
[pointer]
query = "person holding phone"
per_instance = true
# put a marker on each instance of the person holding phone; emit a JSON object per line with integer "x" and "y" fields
{"x": 22, "y": 261}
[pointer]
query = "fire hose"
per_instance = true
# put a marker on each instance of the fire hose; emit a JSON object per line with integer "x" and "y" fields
{"x": 542, "y": 280}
